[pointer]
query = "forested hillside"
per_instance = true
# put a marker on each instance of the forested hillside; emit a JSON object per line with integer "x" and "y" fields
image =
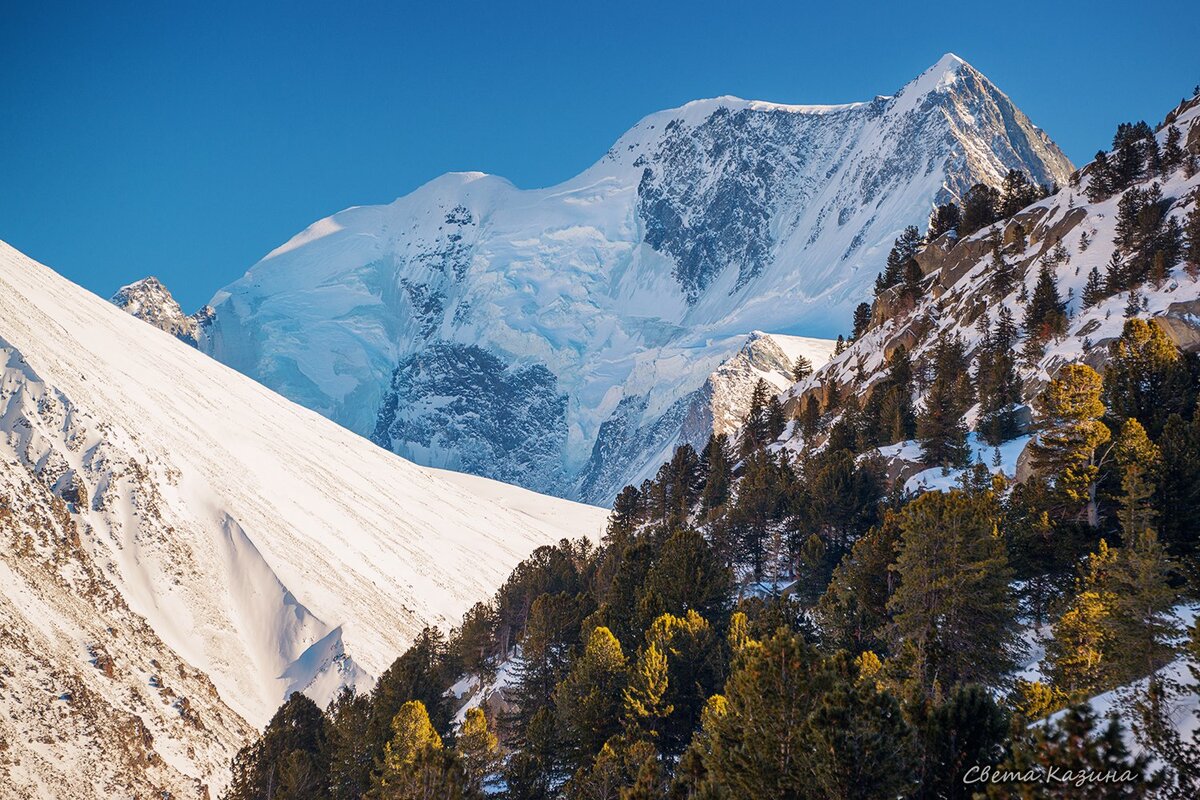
{"x": 910, "y": 571}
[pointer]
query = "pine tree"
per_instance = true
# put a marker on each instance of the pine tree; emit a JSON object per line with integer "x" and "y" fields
{"x": 839, "y": 346}
{"x": 415, "y": 764}
{"x": 1102, "y": 181}
{"x": 999, "y": 384}
{"x": 1065, "y": 450}
{"x": 802, "y": 368}
{"x": 1178, "y": 498}
{"x": 478, "y": 750}
{"x": 588, "y": 700}
{"x": 1003, "y": 274}
{"x": 687, "y": 575}
{"x": 1072, "y": 744}
{"x": 1093, "y": 290}
{"x": 645, "y": 707}
{"x": 1016, "y": 193}
{"x": 862, "y": 320}
{"x": 940, "y": 425}
{"x": 853, "y": 611}
{"x": 953, "y": 605}
{"x": 942, "y": 220}
{"x": 810, "y": 418}
{"x": 967, "y": 730}
{"x": 756, "y": 430}
{"x": 980, "y": 207}
{"x": 903, "y": 250}
{"x": 290, "y": 753}
{"x": 1172, "y": 155}
{"x": 1045, "y": 315}
{"x": 1146, "y": 377}
{"x": 719, "y": 473}
{"x": 1191, "y": 238}
{"x": 350, "y": 755}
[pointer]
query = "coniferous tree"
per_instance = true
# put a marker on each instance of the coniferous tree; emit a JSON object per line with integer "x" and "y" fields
{"x": 756, "y": 430}
{"x": 942, "y": 220}
{"x": 415, "y": 764}
{"x": 1073, "y": 744}
{"x": 719, "y": 473}
{"x": 940, "y": 425}
{"x": 1178, "y": 498}
{"x": 1093, "y": 290}
{"x": 1102, "y": 180}
{"x": 1045, "y": 316}
{"x": 288, "y": 760}
{"x": 1146, "y": 377}
{"x": 1191, "y": 238}
{"x": 999, "y": 384}
{"x": 1172, "y": 154}
{"x": 862, "y": 319}
{"x": 1065, "y": 449}
{"x": 980, "y": 209}
{"x": 1016, "y": 192}
{"x": 478, "y": 750}
{"x": 588, "y": 700}
{"x": 350, "y": 756}
{"x": 967, "y": 730}
{"x": 853, "y": 611}
{"x": 802, "y": 368}
{"x": 810, "y": 418}
{"x": 953, "y": 606}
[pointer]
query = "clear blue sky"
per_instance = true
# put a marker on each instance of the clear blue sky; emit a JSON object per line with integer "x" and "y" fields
{"x": 187, "y": 140}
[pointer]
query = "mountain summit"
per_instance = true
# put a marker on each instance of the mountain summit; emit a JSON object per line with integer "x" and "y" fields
{"x": 557, "y": 338}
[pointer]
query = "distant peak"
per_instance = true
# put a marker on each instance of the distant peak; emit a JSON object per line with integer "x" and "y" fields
{"x": 942, "y": 75}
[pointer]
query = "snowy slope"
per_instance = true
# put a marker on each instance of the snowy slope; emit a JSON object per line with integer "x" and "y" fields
{"x": 553, "y": 337}
{"x": 958, "y": 298}
{"x": 252, "y": 542}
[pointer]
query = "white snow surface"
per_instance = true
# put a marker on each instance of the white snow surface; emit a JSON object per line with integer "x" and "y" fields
{"x": 634, "y": 280}
{"x": 265, "y": 545}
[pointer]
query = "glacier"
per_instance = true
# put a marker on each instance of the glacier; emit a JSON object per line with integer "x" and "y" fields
{"x": 559, "y": 338}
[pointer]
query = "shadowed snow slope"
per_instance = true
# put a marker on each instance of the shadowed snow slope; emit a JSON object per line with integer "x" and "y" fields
{"x": 553, "y": 337}
{"x": 266, "y": 548}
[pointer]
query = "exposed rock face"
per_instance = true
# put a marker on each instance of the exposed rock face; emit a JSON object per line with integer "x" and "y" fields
{"x": 629, "y": 284}
{"x": 150, "y": 301}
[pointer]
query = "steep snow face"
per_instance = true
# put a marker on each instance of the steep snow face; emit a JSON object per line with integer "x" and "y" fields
{"x": 150, "y": 301}
{"x": 259, "y": 545}
{"x": 628, "y": 284}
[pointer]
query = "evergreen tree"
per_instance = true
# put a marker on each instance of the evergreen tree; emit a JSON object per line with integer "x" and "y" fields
{"x": 810, "y": 418}
{"x": 719, "y": 473}
{"x": 552, "y": 630}
{"x": 687, "y": 575}
{"x": 942, "y": 220}
{"x": 1045, "y": 316}
{"x": 967, "y": 730}
{"x": 1191, "y": 238}
{"x": 802, "y": 368}
{"x": 999, "y": 384}
{"x": 756, "y": 431}
{"x": 1146, "y": 377}
{"x": 478, "y": 750}
{"x": 589, "y": 699}
{"x": 940, "y": 425}
{"x": 1073, "y": 745}
{"x": 1102, "y": 180}
{"x": 954, "y": 606}
{"x": 903, "y": 250}
{"x": 980, "y": 208}
{"x": 1078, "y": 651}
{"x": 1003, "y": 274}
{"x": 853, "y": 611}
{"x": 419, "y": 674}
{"x": 645, "y": 705}
{"x": 1016, "y": 193}
{"x": 1178, "y": 498}
{"x": 1065, "y": 450}
{"x": 287, "y": 760}
{"x": 862, "y": 320}
{"x": 1172, "y": 155}
{"x": 415, "y": 764}
{"x": 1093, "y": 290}
{"x": 350, "y": 756}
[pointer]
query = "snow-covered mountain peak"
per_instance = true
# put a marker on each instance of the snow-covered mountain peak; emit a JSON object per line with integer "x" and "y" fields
{"x": 595, "y": 308}
{"x": 150, "y": 301}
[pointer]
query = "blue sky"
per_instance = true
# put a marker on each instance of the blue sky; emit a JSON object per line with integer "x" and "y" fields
{"x": 186, "y": 140}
